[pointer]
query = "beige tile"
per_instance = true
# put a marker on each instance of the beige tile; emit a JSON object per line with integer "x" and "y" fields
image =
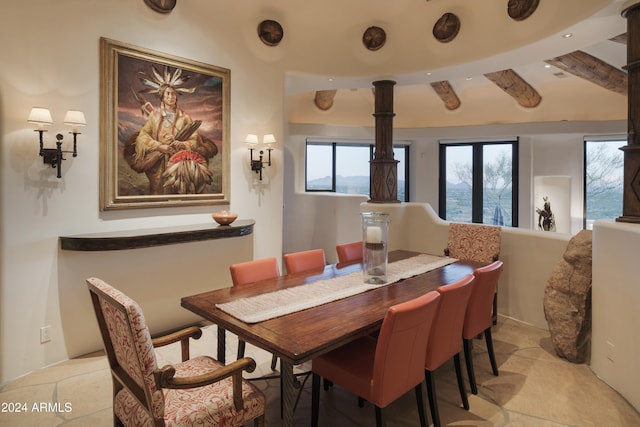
{"x": 86, "y": 393}
{"x": 534, "y": 388}
{"x": 103, "y": 418}
{"x": 29, "y": 406}
{"x": 566, "y": 393}
{"x": 61, "y": 371}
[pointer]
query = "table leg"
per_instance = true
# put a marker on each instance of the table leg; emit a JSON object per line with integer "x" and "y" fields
{"x": 288, "y": 392}
{"x": 222, "y": 345}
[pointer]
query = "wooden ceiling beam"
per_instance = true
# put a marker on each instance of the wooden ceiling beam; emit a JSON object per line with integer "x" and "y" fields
{"x": 447, "y": 94}
{"x": 516, "y": 87}
{"x": 324, "y": 99}
{"x": 595, "y": 70}
{"x": 621, "y": 38}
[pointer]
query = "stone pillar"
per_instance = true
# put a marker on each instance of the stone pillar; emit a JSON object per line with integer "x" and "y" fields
{"x": 631, "y": 194}
{"x": 384, "y": 169}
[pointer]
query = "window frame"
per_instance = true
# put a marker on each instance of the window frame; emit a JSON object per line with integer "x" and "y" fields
{"x": 477, "y": 191}
{"x": 623, "y": 138}
{"x": 335, "y": 144}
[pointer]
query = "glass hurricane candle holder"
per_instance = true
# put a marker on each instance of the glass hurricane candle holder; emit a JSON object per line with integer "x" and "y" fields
{"x": 375, "y": 231}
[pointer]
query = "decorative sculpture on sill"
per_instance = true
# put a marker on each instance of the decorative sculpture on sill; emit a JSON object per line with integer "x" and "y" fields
{"x": 258, "y": 164}
{"x": 546, "y": 220}
{"x": 54, "y": 156}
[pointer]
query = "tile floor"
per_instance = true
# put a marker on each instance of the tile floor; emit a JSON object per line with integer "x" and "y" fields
{"x": 535, "y": 388}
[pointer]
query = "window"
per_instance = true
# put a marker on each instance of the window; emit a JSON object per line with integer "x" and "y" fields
{"x": 603, "y": 180}
{"x": 479, "y": 182}
{"x": 344, "y": 168}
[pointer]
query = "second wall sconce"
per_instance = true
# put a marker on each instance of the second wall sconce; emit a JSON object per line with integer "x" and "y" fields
{"x": 258, "y": 164}
{"x": 53, "y": 156}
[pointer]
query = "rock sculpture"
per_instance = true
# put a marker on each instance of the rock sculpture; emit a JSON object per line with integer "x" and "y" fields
{"x": 567, "y": 301}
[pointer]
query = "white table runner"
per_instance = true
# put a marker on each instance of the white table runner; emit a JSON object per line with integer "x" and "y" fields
{"x": 278, "y": 303}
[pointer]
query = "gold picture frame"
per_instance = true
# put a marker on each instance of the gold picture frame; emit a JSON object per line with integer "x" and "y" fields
{"x": 164, "y": 133}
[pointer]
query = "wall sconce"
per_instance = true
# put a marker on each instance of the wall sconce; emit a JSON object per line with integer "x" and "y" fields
{"x": 258, "y": 164}
{"x": 53, "y": 156}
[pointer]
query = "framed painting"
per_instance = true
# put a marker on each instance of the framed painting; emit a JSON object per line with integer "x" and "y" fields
{"x": 164, "y": 137}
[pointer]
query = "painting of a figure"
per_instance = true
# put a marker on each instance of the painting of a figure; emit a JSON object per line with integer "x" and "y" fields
{"x": 171, "y": 117}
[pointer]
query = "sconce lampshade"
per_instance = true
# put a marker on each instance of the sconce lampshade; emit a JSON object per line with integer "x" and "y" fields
{"x": 251, "y": 139}
{"x": 40, "y": 116}
{"x": 74, "y": 117}
{"x": 268, "y": 139}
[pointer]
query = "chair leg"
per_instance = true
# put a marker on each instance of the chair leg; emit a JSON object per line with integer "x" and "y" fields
{"x": 360, "y": 402}
{"x": 495, "y": 308}
{"x": 420, "y": 402}
{"x": 380, "y": 421}
{"x": 315, "y": 399}
{"x": 274, "y": 362}
{"x": 241, "y": 347}
{"x": 463, "y": 392}
{"x": 468, "y": 358}
{"x": 431, "y": 394}
{"x": 492, "y": 355}
{"x": 259, "y": 422}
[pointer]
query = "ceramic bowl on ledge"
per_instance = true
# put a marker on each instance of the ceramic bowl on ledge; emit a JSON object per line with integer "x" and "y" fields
{"x": 224, "y": 217}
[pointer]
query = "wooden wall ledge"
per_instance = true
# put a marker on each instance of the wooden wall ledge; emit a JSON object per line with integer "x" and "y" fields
{"x": 146, "y": 238}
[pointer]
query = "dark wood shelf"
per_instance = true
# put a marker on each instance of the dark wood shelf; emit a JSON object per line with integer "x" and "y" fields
{"x": 146, "y": 238}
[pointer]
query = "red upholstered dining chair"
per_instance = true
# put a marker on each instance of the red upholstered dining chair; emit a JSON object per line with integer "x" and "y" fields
{"x": 381, "y": 371}
{"x": 478, "y": 317}
{"x": 445, "y": 340}
{"x": 198, "y": 391}
{"x": 297, "y": 262}
{"x": 249, "y": 272}
{"x": 475, "y": 242}
{"x": 349, "y": 252}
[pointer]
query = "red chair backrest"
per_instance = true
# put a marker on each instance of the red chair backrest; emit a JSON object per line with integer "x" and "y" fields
{"x": 349, "y": 252}
{"x": 479, "y": 312}
{"x": 402, "y": 342}
{"x": 446, "y": 337}
{"x": 253, "y": 271}
{"x": 303, "y": 261}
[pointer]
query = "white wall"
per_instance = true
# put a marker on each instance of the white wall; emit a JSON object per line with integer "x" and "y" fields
{"x": 50, "y": 58}
{"x": 545, "y": 149}
{"x": 615, "y": 294}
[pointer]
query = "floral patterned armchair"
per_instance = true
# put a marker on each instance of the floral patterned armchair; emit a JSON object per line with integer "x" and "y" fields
{"x": 199, "y": 391}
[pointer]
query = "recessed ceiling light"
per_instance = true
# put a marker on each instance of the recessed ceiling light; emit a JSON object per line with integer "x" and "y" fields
{"x": 567, "y": 35}
{"x": 469, "y": 78}
{"x": 428, "y": 73}
{"x": 330, "y": 79}
{"x": 547, "y": 66}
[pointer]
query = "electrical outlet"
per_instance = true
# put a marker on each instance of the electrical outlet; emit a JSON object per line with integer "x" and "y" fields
{"x": 610, "y": 350}
{"x": 45, "y": 334}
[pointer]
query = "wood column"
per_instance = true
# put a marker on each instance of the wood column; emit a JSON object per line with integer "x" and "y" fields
{"x": 631, "y": 192}
{"x": 384, "y": 169}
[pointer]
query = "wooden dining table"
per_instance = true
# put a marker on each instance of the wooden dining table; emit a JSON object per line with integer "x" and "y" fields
{"x": 300, "y": 336}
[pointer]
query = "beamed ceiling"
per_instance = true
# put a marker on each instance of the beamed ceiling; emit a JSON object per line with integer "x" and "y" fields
{"x": 456, "y": 62}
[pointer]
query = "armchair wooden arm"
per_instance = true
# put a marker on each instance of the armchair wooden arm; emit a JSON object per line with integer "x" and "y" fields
{"x": 183, "y": 336}
{"x": 165, "y": 378}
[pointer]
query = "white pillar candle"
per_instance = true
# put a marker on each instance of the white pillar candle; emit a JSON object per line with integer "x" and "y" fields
{"x": 374, "y": 235}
